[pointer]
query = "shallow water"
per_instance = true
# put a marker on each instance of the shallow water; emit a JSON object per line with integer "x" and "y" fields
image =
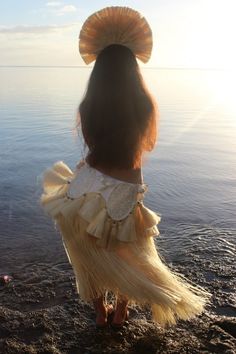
{"x": 190, "y": 174}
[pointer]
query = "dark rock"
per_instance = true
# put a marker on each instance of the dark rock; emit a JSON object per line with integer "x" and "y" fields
{"x": 228, "y": 325}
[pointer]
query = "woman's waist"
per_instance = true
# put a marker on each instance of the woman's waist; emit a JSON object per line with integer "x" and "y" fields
{"x": 89, "y": 179}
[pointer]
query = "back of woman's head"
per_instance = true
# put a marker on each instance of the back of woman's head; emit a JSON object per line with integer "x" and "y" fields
{"x": 117, "y": 113}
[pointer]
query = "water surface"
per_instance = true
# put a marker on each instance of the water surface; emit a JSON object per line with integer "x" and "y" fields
{"x": 190, "y": 174}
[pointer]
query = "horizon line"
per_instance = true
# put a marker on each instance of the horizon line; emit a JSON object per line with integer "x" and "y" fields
{"x": 91, "y": 66}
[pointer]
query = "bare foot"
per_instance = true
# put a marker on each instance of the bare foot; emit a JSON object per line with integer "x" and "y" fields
{"x": 102, "y": 312}
{"x": 121, "y": 314}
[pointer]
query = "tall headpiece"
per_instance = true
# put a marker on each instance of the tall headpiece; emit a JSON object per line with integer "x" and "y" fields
{"x": 115, "y": 25}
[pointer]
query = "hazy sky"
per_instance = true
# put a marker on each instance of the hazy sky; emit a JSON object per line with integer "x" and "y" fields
{"x": 186, "y": 33}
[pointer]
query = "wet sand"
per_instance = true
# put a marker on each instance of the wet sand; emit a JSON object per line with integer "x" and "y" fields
{"x": 41, "y": 313}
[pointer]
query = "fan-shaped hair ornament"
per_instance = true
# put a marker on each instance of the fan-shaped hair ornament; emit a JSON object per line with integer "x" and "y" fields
{"x": 115, "y": 25}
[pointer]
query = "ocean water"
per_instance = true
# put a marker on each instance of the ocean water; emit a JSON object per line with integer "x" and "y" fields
{"x": 190, "y": 174}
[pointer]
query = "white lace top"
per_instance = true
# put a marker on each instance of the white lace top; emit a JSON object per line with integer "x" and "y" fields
{"x": 110, "y": 206}
{"x": 120, "y": 196}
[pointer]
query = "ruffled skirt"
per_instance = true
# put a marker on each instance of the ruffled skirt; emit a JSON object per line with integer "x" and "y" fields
{"x": 129, "y": 265}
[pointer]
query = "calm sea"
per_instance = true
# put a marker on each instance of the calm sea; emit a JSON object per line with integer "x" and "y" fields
{"x": 190, "y": 174}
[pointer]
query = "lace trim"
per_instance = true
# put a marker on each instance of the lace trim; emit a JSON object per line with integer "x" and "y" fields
{"x": 120, "y": 196}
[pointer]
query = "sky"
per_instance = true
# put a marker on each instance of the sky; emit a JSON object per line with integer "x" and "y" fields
{"x": 186, "y": 33}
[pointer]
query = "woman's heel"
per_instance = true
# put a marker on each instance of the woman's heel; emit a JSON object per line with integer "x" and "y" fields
{"x": 121, "y": 306}
{"x": 102, "y": 312}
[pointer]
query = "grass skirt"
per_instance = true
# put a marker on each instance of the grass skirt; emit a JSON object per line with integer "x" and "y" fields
{"x": 117, "y": 256}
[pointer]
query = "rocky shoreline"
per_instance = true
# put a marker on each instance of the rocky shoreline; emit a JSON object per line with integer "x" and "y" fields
{"x": 41, "y": 313}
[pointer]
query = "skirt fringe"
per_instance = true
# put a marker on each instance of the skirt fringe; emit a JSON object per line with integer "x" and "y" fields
{"x": 134, "y": 270}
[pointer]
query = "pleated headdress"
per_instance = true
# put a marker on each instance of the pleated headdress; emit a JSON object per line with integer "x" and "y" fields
{"x": 115, "y": 25}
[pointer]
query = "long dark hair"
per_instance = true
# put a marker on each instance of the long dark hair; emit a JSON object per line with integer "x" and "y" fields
{"x": 117, "y": 114}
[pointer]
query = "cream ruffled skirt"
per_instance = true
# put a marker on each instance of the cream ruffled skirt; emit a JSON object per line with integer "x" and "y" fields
{"x": 117, "y": 256}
